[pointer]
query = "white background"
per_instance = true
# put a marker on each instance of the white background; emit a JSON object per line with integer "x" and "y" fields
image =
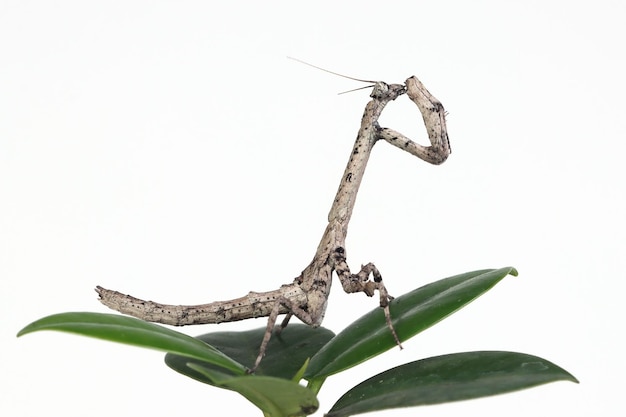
{"x": 169, "y": 150}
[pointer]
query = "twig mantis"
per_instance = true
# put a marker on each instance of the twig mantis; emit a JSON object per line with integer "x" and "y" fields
{"x": 307, "y": 296}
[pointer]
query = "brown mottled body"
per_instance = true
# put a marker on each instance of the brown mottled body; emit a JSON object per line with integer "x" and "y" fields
{"x": 307, "y": 296}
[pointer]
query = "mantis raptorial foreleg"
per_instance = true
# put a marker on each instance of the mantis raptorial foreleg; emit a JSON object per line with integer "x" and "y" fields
{"x": 434, "y": 117}
{"x": 307, "y": 297}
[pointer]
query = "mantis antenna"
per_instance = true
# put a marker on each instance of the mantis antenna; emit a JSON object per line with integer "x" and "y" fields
{"x": 336, "y": 73}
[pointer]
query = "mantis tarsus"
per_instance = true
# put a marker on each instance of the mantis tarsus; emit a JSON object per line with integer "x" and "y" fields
{"x": 307, "y": 296}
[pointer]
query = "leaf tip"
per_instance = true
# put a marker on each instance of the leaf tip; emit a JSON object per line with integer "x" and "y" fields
{"x": 25, "y": 330}
{"x": 571, "y": 378}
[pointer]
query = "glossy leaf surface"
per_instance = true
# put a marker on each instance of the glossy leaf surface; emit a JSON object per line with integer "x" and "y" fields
{"x": 131, "y": 331}
{"x": 441, "y": 379}
{"x": 285, "y": 354}
{"x": 411, "y": 313}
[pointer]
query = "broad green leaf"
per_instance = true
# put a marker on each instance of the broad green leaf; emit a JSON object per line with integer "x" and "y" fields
{"x": 276, "y": 397}
{"x": 411, "y": 313}
{"x": 441, "y": 379}
{"x": 135, "y": 332}
{"x": 285, "y": 354}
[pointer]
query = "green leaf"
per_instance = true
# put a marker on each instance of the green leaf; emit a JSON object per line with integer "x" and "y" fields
{"x": 441, "y": 379}
{"x": 135, "y": 332}
{"x": 285, "y": 354}
{"x": 411, "y": 313}
{"x": 276, "y": 397}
